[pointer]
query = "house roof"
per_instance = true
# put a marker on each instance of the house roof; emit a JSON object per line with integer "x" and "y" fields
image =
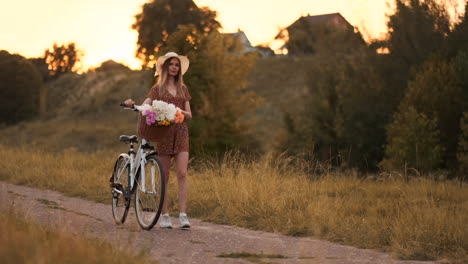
{"x": 321, "y": 18}
{"x": 243, "y": 38}
{"x": 241, "y": 35}
{"x": 334, "y": 18}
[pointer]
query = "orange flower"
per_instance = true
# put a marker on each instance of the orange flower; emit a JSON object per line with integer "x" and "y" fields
{"x": 179, "y": 117}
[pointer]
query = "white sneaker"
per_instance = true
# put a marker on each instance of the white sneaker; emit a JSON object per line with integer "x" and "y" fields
{"x": 183, "y": 220}
{"x": 165, "y": 221}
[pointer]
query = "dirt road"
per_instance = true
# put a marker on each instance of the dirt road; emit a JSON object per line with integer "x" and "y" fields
{"x": 203, "y": 243}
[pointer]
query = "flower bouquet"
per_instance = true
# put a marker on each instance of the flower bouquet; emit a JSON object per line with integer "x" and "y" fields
{"x": 161, "y": 113}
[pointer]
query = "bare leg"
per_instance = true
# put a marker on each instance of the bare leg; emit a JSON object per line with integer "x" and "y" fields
{"x": 181, "y": 168}
{"x": 166, "y": 163}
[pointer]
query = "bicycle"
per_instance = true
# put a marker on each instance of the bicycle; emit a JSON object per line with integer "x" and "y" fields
{"x": 130, "y": 178}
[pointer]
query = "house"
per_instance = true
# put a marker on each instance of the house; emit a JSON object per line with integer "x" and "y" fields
{"x": 243, "y": 38}
{"x": 308, "y": 29}
{"x": 336, "y": 20}
{"x": 263, "y": 51}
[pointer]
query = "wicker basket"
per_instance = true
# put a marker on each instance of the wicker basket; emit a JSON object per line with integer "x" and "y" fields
{"x": 151, "y": 132}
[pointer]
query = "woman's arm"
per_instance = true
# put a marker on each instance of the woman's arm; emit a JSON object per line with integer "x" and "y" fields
{"x": 187, "y": 113}
{"x": 147, "y": 101}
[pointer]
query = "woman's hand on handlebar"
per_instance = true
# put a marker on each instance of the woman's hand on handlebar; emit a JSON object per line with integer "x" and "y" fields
{"x": 129, "y": 102}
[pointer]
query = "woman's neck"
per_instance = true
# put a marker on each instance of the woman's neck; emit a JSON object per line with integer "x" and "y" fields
{"x": 171, "y": 80}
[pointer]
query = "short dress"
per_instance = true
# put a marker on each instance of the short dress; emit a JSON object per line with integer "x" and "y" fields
{"x": 176, "y": 136}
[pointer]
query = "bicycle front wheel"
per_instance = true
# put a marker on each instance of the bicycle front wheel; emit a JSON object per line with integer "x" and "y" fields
{"x": 149, "y": 195}
{"x": 120, "y": 189}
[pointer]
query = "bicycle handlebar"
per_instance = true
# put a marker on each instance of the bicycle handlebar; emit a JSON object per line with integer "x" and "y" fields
{"x": 129, "y": 107}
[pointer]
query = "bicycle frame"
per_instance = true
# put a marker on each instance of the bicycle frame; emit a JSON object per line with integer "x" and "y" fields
{"x": 141, "y": 155}
{"x": 137, "y": 162}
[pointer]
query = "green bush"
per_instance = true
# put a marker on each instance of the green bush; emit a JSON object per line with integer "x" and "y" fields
{"x": 344, "y": 110}
{"x": 413, "y": 142}
{"x": 20, "y": 85}
{"x": 437, "y": 92}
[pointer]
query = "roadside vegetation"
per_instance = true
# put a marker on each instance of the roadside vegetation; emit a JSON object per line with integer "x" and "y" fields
{"x": 23, "y": 241}
{"x": 414, "y": 218}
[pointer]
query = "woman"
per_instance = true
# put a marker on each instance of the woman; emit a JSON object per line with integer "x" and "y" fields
{"x": 170, "y": 88}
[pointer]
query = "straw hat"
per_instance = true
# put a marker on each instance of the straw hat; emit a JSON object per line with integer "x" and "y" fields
{"x": 184, "y": 62}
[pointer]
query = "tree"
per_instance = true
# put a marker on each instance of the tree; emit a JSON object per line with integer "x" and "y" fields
{"x": 62, "y": 59}
{"x": 345, "y": 111}
{"x": 416, "y": 29}
{"x": 462, "y": 154}
{"x": 160, "y": 18}
{"x": 41, "y": 66}
{"x": 461, "y": 69}
{"x": 43, "y": 70}
{"x": 429, "y": 80}
{"x": 20, "y": 83}
{"x": 414, "y": 142}
{"x": 217, "y": 81}
{"x": 458, "y": 39}
{"x": 437, "y": 92}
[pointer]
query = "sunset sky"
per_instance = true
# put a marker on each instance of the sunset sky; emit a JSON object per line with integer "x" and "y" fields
{"x": 102, "y": 28}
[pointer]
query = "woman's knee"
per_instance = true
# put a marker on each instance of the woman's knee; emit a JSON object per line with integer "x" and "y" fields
{"x": 181, "y": 173}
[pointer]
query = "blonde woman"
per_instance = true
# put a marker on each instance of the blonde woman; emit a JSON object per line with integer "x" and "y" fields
{"x": 174, "y": 146}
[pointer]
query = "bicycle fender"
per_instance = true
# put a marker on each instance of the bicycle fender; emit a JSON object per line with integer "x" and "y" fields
{"x": 123, "y": 155}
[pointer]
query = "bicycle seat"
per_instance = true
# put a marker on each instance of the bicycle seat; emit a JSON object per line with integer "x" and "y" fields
{"x": 126, "y": 139}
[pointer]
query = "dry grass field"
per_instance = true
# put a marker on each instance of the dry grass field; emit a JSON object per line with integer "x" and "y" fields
{"x": 420, "y": 219}
{"x": 26, "y": 242}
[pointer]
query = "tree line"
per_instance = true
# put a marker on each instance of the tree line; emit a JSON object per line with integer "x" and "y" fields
{"x": 402, "y": 108}
{"x": 399, "y": 102}
{"x": 22, "y": 81}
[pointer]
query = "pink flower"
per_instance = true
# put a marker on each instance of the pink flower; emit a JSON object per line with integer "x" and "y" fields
{"x": 150, "y": 117}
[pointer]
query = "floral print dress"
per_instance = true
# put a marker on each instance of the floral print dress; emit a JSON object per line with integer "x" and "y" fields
{"x": 169, "y": 140}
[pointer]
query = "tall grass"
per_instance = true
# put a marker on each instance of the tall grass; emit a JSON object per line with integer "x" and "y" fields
{"x": 421, "y": 219}
{"x": 26, "y": 242}
{"x": 85, "y": 134}
{"x": 417, "y": 219}
{"x": 71, "y": 172}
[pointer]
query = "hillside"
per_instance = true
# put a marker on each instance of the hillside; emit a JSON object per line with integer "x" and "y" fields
{"x": 281, "y": 82}
{"x": 83, "y": 109}
{"x": 83, "y": 112}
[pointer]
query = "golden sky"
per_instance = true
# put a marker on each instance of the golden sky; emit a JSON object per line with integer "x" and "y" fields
{"x": 101, "y": 28}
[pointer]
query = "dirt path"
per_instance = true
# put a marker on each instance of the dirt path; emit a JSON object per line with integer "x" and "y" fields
{"x": 201, "y": 244}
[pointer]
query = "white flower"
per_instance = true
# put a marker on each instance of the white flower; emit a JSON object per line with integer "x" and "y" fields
{"x": 170, "y": 112}
{"x": 144, "y": 107}
{"x": 163, "y": 110}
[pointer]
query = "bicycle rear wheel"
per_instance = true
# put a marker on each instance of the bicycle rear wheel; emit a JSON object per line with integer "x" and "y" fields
{"x": 120, "y": 189}
{"x": 149, "y": 195}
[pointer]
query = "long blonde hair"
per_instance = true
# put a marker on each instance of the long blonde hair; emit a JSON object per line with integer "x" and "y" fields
{"x": 179, "y": 80}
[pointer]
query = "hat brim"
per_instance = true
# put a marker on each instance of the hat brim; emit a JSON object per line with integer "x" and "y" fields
{"x": 184, "y": 63}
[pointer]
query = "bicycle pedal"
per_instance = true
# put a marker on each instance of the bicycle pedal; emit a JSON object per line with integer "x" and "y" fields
{"x": 149, "y": 210}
